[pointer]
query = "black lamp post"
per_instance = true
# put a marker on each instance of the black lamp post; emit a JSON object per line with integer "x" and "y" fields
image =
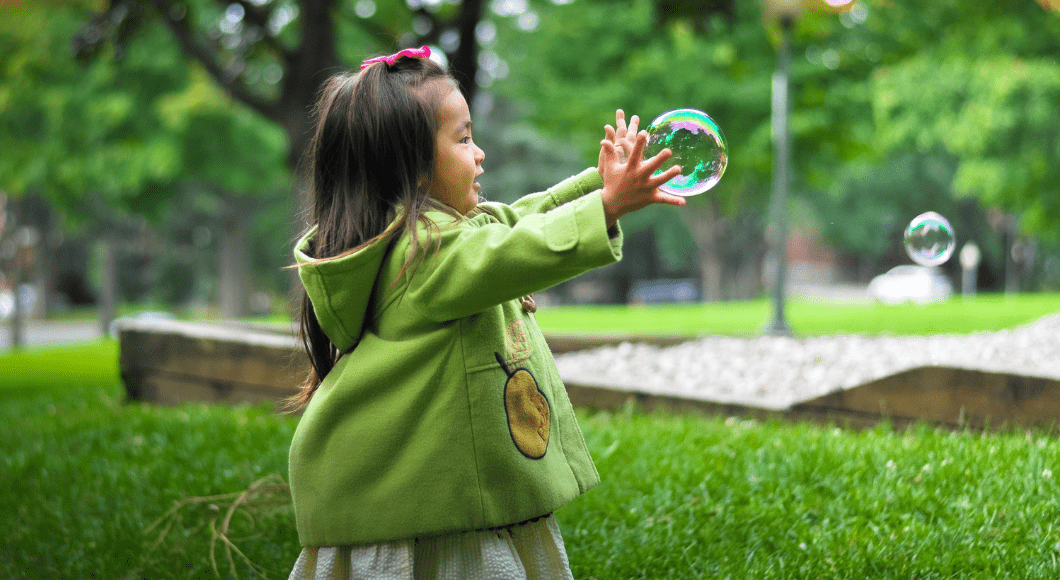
{"x": 777, "y": 229}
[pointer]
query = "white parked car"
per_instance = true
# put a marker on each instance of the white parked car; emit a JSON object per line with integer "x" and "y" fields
{"x": 28, "y": 300}
{"x": 908, "y": 283}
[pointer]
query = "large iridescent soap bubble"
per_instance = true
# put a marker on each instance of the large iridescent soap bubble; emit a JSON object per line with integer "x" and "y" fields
{"x": 698, "y": 147}
{"x": 929, "y": 239}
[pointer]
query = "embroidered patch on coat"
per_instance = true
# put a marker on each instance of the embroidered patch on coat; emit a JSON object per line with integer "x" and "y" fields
{"x": 527, "y": 410}
{"x": 517, "y": 343}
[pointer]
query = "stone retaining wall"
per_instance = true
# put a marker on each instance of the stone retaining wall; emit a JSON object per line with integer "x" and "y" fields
{"x": 165, "y": 361}
{"x": 170, "y": 362}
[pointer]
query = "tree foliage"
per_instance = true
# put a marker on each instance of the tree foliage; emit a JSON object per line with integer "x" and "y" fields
{"x": 978, "y": 82}
{"x": 125, "y": 128}
{"x": 895, "y": 103}
{"x": 648, "y": 57}
{"x": 88, "y": 135}
{"x": 897, "y": 106}
{"x": 592, "y": 57}
{"x": 1002, "y": 126}
{"x": 274, "y": 55}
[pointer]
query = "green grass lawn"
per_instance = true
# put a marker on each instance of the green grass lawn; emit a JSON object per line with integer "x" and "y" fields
{"x": 806, "y": 318}
{"x": 84, "y": 475}
{"x": 687, "y": 497}
{"x": 747, "y": 318}
{"x": 87, "y": 481}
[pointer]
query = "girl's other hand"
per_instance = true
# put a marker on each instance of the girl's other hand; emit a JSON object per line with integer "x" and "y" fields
{"x": 623, "y": 136}
{"x": 628, "y": 181}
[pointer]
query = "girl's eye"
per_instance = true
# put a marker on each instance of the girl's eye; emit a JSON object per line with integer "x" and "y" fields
{"x": 466, "y": 140}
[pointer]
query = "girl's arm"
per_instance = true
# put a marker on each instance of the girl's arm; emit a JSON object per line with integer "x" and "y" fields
{"x": 563, "y": 192}
{"x": 482, "y": 262}
{"x": 488, "y": 259}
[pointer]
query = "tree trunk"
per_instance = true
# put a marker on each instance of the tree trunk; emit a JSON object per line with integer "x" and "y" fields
{"x": 303, "y": 214}
{"x": 465, "y": 61}
{"x": 46, "y": 271}
{"x": 746, "y": 237}
{"x": 108, "y": 292}
{"x": 232, "y": 283}
{"x": 43, "y": 271}
{"x": 18, "y": 316}
{"x": 707, "y": 227}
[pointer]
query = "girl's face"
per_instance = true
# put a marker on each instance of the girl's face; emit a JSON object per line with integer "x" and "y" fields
{"x": 457, "y": 161}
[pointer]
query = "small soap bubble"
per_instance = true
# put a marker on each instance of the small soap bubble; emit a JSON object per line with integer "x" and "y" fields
{"x": 929, "y": 239}
{"x": 698, "y": 147}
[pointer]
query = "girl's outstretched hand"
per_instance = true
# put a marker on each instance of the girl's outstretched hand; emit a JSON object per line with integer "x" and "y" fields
{"x": 628, "y": 181}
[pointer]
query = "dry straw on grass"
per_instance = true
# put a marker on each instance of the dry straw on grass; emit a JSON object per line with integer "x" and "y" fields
{"x": 264, "y": 497}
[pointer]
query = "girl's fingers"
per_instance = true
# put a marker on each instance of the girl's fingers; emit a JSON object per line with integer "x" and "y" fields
{"x": 656, "y": 162}
{"x": 620, "y": 123}
{"x": 608, "y": 152}
{"x": 669, "y": 199}
{"x": 657, "y": 180}
{"x": 637, "y": 155}
{"x": 609, "y": 132}
{"x": 634, "y": 124}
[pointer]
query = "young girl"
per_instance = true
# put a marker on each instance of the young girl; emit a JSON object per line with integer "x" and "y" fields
{"x": 437, "y": 438}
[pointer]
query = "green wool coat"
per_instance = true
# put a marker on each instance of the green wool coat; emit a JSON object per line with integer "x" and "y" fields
{"x": 448, "y": 414}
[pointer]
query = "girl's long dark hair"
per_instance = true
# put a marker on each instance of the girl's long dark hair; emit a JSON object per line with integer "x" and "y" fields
{"x": 368, "y": 163}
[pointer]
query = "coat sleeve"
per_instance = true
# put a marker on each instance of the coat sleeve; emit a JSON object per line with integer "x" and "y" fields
{"x": 563, "y": 192}
{"x": 482, "y": 262}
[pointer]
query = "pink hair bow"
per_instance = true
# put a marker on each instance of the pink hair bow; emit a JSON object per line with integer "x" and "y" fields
{"x": 423, "y": 52}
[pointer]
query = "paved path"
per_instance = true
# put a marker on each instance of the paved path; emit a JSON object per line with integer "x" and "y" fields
{"x": 42, "y": 332}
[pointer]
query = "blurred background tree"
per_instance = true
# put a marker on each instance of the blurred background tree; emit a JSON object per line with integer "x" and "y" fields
{"x": 127, "y": 145}
{"x": 961, "y": 106}
{"x": 86, "y": 136}
{"x": 170, "y": 130}
{"x": 848, "y": 152}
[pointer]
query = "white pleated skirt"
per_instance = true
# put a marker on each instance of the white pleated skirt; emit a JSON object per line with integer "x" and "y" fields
{"x": 530, "y": 551}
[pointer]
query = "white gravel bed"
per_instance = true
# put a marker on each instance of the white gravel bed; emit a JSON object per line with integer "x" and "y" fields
{"x": 777, "y": 372}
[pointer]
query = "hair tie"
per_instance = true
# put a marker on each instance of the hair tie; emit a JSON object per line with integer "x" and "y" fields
{"x": 423, "y": 52}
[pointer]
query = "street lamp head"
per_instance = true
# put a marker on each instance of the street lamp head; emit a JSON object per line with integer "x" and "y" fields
{"x": 783, "y": 9}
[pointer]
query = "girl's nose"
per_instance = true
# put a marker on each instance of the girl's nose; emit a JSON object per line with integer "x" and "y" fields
{"x": 479, "y": 154}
